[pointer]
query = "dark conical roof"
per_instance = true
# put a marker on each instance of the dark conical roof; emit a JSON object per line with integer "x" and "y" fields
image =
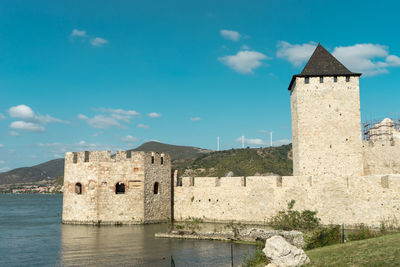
{"x": 322, "y": 63}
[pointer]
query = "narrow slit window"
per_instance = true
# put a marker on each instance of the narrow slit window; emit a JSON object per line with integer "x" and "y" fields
{"x": 321, "y": 79}
{"x": 162, "y": 160}
{"x": 307, "y": 80}
{"x": 120, "y": 188}
{"x": 335, "y": 79}
{"x": 86, "y": 156}
{"x": 129, "y": 154}
{"x": 152, "y": 159}
{"x": 155, "y": 188}
{"x": 347, "y": 78}
{"x": 75, "y": 159}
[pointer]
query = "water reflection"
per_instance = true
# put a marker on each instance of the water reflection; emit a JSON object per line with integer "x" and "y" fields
{"x": 136, "y": 246}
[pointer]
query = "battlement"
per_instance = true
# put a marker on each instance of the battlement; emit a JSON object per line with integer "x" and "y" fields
{"x": 304, "y": 182}
{"x": 105, "y": 156}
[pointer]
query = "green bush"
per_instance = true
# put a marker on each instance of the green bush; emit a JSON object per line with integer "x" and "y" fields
{"x": 258, "y": 259}
{"x": 361, "y": 232}
{"x": 294, "y": 220}
{"x": 321, "y": 237}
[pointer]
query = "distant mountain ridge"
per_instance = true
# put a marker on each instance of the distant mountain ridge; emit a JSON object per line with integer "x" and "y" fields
{"x": 44, "y": 171}
{"x": 187, "y": 160}
{"x": 55, "y": 168}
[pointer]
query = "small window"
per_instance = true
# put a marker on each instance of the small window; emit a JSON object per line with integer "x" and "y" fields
{"x": 162, "y": 160}
{"x": 75, "y": 158}
{"x": 152, "y": 159}
{"x": 155, "y": 188}
{"x": 128, "y": 154}
{"x": 120, "y": 188}
{"x": 347, "y": 78}
{"x": 78, "y": 188}
{"x": 321, "y": 79}
{"x": 335, "y": 79}
{"x": 86, "y": 156}
{"x": 307, "y": 79}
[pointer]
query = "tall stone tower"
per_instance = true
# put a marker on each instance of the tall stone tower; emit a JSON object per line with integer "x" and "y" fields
{"x": 326, "y": 123}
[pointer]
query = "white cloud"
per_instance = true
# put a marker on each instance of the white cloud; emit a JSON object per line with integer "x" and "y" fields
{"x": 369, "y": 59}
{"x": 154, "y": 115}
{"x": 30, "y": 121}
{"x": 255, "y": 141}
{"x": 245, "y": 47}
{"x": 21, "y": 112}
{"x": 2, "y": 117}
{"x": 143, "y": 126}
{"x": 78, "y": 33}
{"x": 100, "y": 121}
{"x": 112, "y": 118}
{"x": 281, "y": 142}
{"x": 98, "y": 41}
{"x": 2, "y": 162}
{"x": 121, "y": 114}
{"x": 1, "y": 145}
{"x": 27, "y": 126}
{"x": 49, "y": 144}
{"x": 195, "y": 119}
{"x": 296, "y": 54}
{"x": 13, "y": 133}
{"x": 130, "y": 113}
{"x": 83, "y": 143}
{"x": 97, "y": 134}
{"x": 244, "y": 61}
{"x": 263, "y": 131}
{"x": 4, "y": 169}
{"x": 129, "y": 138}
{"x": 230, "y": 35}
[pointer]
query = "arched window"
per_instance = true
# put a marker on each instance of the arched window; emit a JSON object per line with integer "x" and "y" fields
{"x": 155, "y": 188}
{"x": 78, "y": 188}
{"x": 120, "y": 188}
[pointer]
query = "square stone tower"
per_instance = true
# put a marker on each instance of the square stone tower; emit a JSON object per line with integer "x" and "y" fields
{"x": 326, "y": 123}
{"x": 130, "y": 187}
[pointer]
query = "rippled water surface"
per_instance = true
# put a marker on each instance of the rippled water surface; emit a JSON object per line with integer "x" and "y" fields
{"x": 31, "y": 234}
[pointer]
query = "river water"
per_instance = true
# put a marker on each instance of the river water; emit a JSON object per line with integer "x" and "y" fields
{"x": 31, "y": 234}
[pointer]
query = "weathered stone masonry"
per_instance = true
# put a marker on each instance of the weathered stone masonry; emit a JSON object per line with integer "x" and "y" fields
{"x": 144, "y": 176}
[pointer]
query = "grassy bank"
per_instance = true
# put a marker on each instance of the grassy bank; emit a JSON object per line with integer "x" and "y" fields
{"x": 380, "y": 251}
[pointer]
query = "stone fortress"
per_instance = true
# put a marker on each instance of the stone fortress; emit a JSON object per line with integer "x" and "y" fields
{"x": 335, "y": 172}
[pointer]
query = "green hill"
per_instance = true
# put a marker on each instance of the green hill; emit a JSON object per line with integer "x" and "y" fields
{"x": 241, "y": 162}
{"x": 177, "y": 153}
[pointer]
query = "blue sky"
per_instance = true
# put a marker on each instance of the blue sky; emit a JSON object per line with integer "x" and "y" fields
{"x": 86, "y": 75}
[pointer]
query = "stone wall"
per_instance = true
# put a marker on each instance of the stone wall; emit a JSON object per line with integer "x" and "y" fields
{"x": 348, "y": 200}
{"x": 381, "y": 157}
{"x": 99, "y": 173}
{"x": 326, "y": 127}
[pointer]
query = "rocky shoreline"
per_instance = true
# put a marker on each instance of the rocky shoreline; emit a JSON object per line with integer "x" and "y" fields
{"x": 248, "y": 235}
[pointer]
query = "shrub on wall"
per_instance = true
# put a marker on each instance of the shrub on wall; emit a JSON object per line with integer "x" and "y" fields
{"x": 291, "y": 219}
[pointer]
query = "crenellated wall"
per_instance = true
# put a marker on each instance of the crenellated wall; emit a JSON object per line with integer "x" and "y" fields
{"x": 99, "y": 173}
{"x": 254, "y": 199}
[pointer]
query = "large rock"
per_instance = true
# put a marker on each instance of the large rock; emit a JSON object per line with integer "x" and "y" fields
{"x": 282, "y": 253}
